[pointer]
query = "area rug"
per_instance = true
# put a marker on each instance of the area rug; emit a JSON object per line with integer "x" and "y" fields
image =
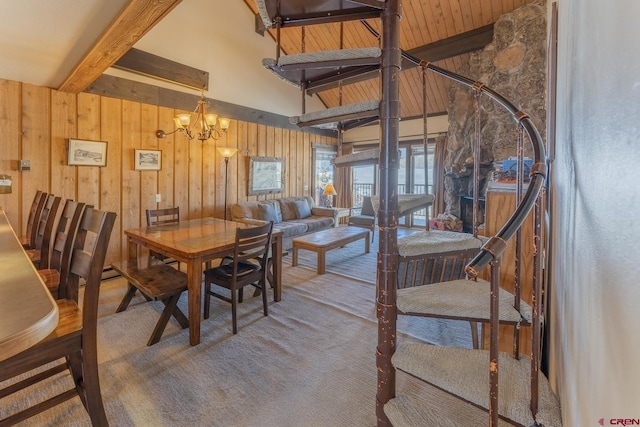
{"x": 311, "y": 362}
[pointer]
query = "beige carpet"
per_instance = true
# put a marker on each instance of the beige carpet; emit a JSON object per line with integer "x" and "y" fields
{"x": 310, "y": 363}
{"x": 351, "y": 262}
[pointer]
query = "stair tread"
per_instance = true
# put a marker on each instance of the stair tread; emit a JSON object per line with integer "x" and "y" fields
{"x": 406, "y": 411}
{"x": 465, "y": 373}
{"x": 291, "y": 12}
{"x": 370, "y": 156}
{"x": 460, "y": 299}
{"x": 325, "y": 67}
{"x": 435, "y": 241}
{"x": 360, "y": 110}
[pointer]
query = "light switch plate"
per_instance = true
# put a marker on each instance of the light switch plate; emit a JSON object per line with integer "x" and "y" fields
{"x": 158, "y": 198}
{"x": 25, "y": 165}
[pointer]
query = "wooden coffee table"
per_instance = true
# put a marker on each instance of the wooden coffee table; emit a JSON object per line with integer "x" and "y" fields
{"x": 323, "y": 241}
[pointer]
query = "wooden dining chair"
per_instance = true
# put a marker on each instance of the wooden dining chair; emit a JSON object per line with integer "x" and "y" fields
{"x": 58, "y": 270}
{"x": 74, "y": 339}
{"x": 40, "y": 253}
{"x": 29, "y": 239}
{"x": 247, "y": 267}
{"x": 163, "y": 216}
{"x": 158, "y": 217}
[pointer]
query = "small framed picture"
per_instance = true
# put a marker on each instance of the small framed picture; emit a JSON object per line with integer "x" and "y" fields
{"x": 148, "y": 160}
{"x": 87, "y": 153}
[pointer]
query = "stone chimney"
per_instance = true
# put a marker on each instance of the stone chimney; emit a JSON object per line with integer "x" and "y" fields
{"x": 514, "y": 65}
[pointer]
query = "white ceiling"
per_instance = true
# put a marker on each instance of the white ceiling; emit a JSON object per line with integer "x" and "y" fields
{"x": 41, "y": 41}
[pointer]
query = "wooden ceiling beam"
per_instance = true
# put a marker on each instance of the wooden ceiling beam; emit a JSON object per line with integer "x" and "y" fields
{"x": 117, "y": 87}
{"x": 452, "y": 46}
{"x": 133, "y": 22}
{"x": 154, "y": 66}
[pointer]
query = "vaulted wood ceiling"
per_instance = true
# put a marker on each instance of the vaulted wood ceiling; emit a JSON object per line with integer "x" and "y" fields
{"x": 440, "y": 31}
{"x": 425, "y": 24}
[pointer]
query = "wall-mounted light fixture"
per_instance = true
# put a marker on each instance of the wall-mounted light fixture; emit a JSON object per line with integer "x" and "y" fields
{"x": 208, "y": 125}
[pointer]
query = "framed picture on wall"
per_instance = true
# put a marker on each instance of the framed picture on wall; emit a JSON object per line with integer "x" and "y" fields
{"x": 266, "y": 175}
{"x": 148, "y": 160}
{"x": 87, "y": 153}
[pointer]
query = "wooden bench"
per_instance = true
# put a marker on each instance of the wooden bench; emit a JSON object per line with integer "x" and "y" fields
{"x": 159, "y": 282}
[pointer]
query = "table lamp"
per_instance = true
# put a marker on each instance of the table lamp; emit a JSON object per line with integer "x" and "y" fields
{"x": 329, "y": 191}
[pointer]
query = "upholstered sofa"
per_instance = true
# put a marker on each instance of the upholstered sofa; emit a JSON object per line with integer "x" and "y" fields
{"x": 295, "y": 216}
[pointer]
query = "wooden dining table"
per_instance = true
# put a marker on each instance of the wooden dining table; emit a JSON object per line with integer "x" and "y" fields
{"x": 28, "y": 312}
{"x": 195, "y": 242}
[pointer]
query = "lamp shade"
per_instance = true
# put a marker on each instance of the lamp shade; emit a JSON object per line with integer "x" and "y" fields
{"x": 226, "y": 152}
{"x": 329, "y": 190}
{"x": 211, "y": 119}
{"x": 184, "y": 119}
{"x": 224, "y": 123}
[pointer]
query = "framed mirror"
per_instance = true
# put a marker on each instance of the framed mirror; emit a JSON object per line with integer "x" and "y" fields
{"x": 266, "y": 175}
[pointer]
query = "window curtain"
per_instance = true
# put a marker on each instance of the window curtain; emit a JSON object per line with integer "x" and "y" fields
{"x": 438, "y": 174}
{"x": 343, "y": 183}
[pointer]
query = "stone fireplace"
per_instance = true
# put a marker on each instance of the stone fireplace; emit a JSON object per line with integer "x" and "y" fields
{"x": 514, "y": 65}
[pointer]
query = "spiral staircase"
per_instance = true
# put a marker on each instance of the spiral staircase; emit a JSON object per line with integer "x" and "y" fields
{"x": 509, "y": 387}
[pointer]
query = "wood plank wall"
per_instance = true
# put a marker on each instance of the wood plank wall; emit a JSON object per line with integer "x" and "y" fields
{"x": 35, "y": 123}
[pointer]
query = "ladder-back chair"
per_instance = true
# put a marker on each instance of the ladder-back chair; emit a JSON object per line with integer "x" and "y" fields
{"x": 39, "y": 254}
{"x": 248, "y": 266}
{"x": 58, "y": 270}
{"x": 158, "y": 217}
{"x": 74, "y": 339}
{"x": 29, "y": 239}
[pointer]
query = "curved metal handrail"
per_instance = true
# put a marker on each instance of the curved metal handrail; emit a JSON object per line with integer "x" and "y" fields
{"x": 538, "y": 174}
{"x": 497, "y": 244}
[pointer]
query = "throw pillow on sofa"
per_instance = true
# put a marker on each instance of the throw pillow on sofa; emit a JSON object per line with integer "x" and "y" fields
{"x": 302, "y": 208}
{"x": 276, "y": 206}
{"x": 267, "y": 212}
